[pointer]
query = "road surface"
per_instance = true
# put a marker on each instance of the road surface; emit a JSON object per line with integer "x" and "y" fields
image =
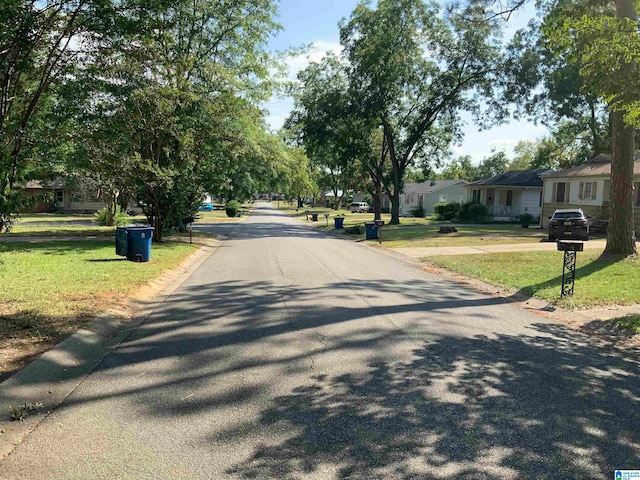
{"x": 294, "y": 354}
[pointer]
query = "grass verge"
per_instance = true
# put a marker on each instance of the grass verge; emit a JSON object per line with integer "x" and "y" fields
{"x": 630, "y": 322}
{"x": 599, "y": 281}
{"x": 51, "y": 289}
{"x": 467, "y": 235}
{"x": 59, "y": 225}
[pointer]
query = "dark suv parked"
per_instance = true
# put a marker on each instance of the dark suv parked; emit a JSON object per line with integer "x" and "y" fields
{"x": 572, "y": 224}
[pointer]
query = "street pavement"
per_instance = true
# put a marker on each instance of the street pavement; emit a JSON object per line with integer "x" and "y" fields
{"x": 291, "y": 353}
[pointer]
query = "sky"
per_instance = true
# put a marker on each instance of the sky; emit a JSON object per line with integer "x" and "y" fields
{"x": 315, "y": 23}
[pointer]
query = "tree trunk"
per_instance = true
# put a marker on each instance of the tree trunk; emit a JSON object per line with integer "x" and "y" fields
{"x": 299, "y": 201}
{"x": 377, "y": 203}
{"x": 620, "y": 231}
{"x": 395, "y": 207}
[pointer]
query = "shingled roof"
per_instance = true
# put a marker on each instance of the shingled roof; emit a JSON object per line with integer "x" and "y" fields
{"x": 430, "y": 186}
{"x": 516, "y": 178}
{"x": 598, "y": 166}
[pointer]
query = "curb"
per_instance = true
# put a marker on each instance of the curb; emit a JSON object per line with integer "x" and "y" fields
{"x": 55, "y": 374}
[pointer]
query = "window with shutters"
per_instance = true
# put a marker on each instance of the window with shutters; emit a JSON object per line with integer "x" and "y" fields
{"x": 588, "y": 190}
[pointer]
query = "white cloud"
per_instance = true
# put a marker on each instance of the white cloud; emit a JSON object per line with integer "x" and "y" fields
{"x": 315, "y": 53}
{"x": 279, "y": 107}
{"x": 502, "y": 143}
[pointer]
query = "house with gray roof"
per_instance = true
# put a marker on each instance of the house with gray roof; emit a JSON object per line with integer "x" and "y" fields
{"x": 586, "y": 186}
{"x": 510, "y": 194}
{"x": 427, "y": 194}
{"x": 57, "y": 195}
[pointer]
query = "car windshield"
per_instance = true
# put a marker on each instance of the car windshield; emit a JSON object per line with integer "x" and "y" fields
{"x": 567, "y": 215}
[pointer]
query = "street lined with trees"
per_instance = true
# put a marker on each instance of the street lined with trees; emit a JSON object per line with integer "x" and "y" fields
{"x": 153, "y": 103}
{"x": 412, "y": 68}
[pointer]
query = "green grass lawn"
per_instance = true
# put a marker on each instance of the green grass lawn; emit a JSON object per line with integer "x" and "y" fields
{"x": 599, "y": 281}
{"x": 48, "y": 225}
{"x": 631, "y": 322}
{"x": 50, "y": 289}
{"x": 467, "y": 235}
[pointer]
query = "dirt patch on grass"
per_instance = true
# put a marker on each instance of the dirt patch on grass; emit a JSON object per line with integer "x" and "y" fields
{"x": 25, "y": 335}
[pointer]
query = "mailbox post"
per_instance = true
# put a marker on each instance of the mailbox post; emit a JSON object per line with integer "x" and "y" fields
{"x": 189, "y": 221}
{"x": 570, "y": 250}
{"x": 326, "y": 217}
{"x": 379, "y": 223}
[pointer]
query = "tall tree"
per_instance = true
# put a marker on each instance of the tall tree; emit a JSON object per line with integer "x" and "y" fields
{"x": 182, "y": 78}
{"x": 325, "y": 121}
{"x": 603, "y": 38}
{"x": 416, "y": 71}
{"x": 36, "y": 48}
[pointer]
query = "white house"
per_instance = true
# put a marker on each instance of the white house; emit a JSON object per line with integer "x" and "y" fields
{"x": 510, "y": 194}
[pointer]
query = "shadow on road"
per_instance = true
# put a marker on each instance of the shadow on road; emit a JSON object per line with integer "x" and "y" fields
{"x": 549, "y": 404}
{"x": 541, "y": 407}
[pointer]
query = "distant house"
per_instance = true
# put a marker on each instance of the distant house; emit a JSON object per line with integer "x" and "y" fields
{"x": 47, "y": 192}
{"x": 510, "y": 194}
{"x": 328, "y": 198}
{"x": 586, "y": 186}
{"x": 427, "y": 194}
{"x": 59, "y": 197}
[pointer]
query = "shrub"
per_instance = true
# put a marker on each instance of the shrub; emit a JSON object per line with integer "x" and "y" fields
{"x": 385, "y": 210}
{"x": 104, "y": 219}
{"x": 463, "y": 213}
{"x": 355, "y": 229}
{"x": 525, "y": 220}
{"x": 232, "y": 208}
{"x": 478, "y": 212}
{"x": 418, "y": 211}
{"x": 446, "y": 211}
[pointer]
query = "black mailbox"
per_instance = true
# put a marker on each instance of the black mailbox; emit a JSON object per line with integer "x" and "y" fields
{"x": 379, "y": 223}
{"x": 186, "y": 220}
{"x": 568, "y": 246}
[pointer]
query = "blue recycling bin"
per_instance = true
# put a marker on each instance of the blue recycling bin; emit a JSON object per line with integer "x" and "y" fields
{"x": 134, "y": 243}
{"x": 371, "y": 230}
{"x": 339, "y": 221}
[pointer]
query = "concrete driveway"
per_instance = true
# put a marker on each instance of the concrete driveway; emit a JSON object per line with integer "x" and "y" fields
{"x": 293, "y": 354}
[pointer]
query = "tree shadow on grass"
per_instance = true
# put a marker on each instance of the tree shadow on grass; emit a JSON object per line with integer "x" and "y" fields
{"x": 105, "y": 260}
{"x": 478, "y": 408}
{"x": 54, "y": 247}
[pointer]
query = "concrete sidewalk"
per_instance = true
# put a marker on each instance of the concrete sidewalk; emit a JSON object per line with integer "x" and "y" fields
{"x": 481, "y": 249}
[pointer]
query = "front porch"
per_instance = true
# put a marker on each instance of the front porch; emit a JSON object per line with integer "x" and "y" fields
{"x": 510, "y": 202}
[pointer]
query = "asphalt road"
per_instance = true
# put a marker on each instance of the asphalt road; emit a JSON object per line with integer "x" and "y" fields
{"x": 293, "y": 354}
